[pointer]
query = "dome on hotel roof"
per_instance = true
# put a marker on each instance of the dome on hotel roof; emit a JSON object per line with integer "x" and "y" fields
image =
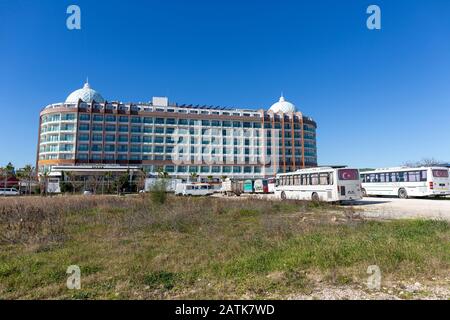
{"x": 86, "y": 94}
{"x": 283, "y": 106}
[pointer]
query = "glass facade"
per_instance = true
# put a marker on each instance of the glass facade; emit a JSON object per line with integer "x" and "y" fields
{"x": 181, "y": 140}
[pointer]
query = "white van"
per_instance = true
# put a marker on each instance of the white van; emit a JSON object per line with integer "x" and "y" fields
{"x": 193, "y": 189}
{"x": 9, "y": 192}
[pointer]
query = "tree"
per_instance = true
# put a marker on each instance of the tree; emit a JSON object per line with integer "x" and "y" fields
{"x": 163, "y": 174}
{"x": 108, "y": 176}
{"x": 210, "y": 178}
{"x": 45, "y": 176}
{"x": 223, "y": 178}
{"x": 7, "y": 172}
{"x": 425, "y": 162}
{"x": 27, "y": 175}
{"x": 121, "y": 182}
{"x": 194, "y": 177}
{"x": 142, "y": 175}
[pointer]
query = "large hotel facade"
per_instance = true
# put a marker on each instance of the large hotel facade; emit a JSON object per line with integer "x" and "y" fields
{"x": 87, "y": 131}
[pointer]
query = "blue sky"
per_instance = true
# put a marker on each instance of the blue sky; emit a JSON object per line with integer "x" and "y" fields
{"x": 380, "y": 98}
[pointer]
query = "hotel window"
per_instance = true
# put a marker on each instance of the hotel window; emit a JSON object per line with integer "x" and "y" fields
{"x": 96, "y": 148}
{"x": 170, "y": 169}
{"x": 215, "y": 123}
{"x": 159, "y": 149}
{"x": 123, "y": 138}
{"x": 136, "y": 120}
{"x": 169, "y": 149}
{"x": 181, "y": 169}
{"x": 109, "y": 157}
{"x": 97, "y": 118}
{"x": 110, "y": 118}
{"x": 135, "y": 148}
{"x": 169, "y": 140}
{"x": 215, "y": 169}
{"x": 159, "y": 130}
{"x": 170, "y": 121}
{"x": 182, "y": 121}
{"x": 170, "y": 130}
{"x": 110, "y": 148}
{"x": 226, "y": 169}
{"x": 247, "y": 169}
{"x": 82, "y": 156}
{"x": 148, "y": 130}
{"x": 204, "y": 112}
{"x": 66, "y": 147}
{"x": 85, "y": 117}
{"x": 123, "y": 128}
{"x": 205, "y": 123}
{"x": 159, "y": 140}
{"x": 83, "y": 147}
{"x": 226, "y": 124}
{"x": 97, "y": 127}
{"x": 122, "y": 157}
{"x": 147, "y": 149}
{"x": 110, "y": 128}
{"x": 236, "y": 169}
{"x": 135, "y": 139}
{"x": 136, "y": 129}
{"x": 236, "y": 124}
{"x": 123, "y": 119}
{"x": 68, "y": 117}
{"x": 110, "y": 138}
{"x": 97, "y": 137}
{"x": 67, "y": 137}
{"x": 193, "y": 169}
{"x": 96, "y": 157}
{"x": 159, "y": 121}
{"x": 122, "y": 148}
{"x": 135, "y": 157}
{"x": 84, "y": 137}
{"x": 147, "y": 139}
{"x": 193, "y": 111}
{"x": 148, "y": 120}
{"x": 159, "y": 158}
{"x": 204, "y": 169}
{"x": 84, "y": 127}
{"x": 193, "y": 122}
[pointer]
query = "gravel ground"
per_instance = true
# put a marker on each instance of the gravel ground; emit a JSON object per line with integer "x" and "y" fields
{"x": 393, "y": 208}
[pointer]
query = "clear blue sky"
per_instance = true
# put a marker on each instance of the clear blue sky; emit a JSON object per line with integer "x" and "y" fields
{"x": 379, "y": 97}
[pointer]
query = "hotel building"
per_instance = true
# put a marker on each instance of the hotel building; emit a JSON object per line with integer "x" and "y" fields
{"x": 87, "y": 130}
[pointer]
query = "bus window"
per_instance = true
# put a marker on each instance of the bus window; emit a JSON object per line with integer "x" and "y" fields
{"x": 401, "y": 177}
{"x": 314, "y": 179}
{"x": 440, "y": 173}
{"x": 423, "y": 175}
{"x": 324, "y": 179}
{"x": 297, "y": 180}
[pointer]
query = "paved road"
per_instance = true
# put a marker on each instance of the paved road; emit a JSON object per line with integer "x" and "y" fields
{"x": 408, "y": 208}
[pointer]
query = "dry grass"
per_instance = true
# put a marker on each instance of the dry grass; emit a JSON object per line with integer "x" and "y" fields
{"x": 133, "y": 247}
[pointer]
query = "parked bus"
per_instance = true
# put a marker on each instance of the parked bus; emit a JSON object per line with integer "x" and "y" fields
{"x": 320, "y": 184}
{"x": 193, "y": 189}
{"x": 406, "y": 182}
{"x": 261, "y": 186}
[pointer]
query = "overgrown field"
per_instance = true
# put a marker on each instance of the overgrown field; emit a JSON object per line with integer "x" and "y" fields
{"x": 138, "y": 248}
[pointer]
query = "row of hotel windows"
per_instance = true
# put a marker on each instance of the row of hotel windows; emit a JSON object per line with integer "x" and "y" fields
{"x": 165, "y": 150}
{"x": 171, "y": 121}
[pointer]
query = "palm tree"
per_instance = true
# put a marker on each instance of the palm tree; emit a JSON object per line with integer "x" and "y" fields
{"x": 29, "y": 172}
{"x": 108, "y": 175}
{"x": 45, "y": 176}
{"x": 194, "y": 177}
{"x": 7, "y": 172}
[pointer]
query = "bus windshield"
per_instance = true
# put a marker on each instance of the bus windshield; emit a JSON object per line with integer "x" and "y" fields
{"x": 440, "y": 173}
{"x": 348, "y": 174}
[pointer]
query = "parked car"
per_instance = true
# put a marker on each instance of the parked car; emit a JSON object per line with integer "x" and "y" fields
{"x": 9, "y": 192}
{"x": 87, "y": 193}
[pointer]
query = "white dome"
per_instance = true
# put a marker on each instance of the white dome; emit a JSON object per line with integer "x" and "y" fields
{"x": 86, "y": 94}
{"x": 282, "y": 106}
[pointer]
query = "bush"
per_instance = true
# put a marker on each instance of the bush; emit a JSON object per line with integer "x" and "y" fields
{"x": 65, "y": 187}
{"x": 158, "y": 192}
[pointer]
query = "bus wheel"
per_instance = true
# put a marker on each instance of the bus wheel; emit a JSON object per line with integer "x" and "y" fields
{"x": 402, "y": 194}
{"x": 364, "y": 192}
{"x": 315, "y": 197}
{"x": 283, "y": 195}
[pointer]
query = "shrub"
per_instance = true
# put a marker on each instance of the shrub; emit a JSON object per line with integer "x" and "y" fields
{"x": 158, "y": 192}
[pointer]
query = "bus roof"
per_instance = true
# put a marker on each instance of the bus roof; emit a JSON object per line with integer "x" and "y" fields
{"x": 401, "y": 169}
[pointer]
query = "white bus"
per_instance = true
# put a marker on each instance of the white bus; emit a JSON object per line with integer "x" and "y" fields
{"x": 320, "y": 184}
{"x": 406, "y": 182}
{"x": 193, "y": 189}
